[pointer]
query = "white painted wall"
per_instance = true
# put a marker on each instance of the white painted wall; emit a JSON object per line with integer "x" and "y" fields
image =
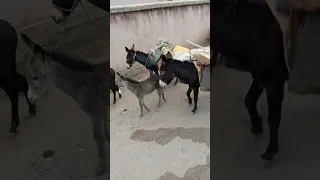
{"x": 143, "y": 27}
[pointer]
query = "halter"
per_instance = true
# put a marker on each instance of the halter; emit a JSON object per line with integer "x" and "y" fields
{"x": 67, "y": 10}
{"x": 134, "y": 59}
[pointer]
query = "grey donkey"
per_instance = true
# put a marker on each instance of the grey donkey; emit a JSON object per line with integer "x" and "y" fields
{"x": 140, "y": 89}
{"x": 86, "y": 83}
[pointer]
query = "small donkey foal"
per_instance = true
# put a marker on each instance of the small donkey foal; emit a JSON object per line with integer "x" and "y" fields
{"x": 140, "y": 89}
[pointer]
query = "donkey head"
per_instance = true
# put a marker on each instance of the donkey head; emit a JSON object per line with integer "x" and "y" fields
{"x": 166, "y": 73}
{"x": 122, "y": 84}
{"x": 131, "y": 56}
{"x": 61, "y": 9}
{"x": 38, "y": 70}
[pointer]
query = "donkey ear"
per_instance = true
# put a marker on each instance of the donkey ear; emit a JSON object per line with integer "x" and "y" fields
{"x": 34, "y": 47}
{"x": 132, "y": 48}
{"x": 127, "y": 49}
{"x": 164, "y": 58}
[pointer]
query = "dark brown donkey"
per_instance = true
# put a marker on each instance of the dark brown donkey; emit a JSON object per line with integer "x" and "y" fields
{"x": 11, "y": 81}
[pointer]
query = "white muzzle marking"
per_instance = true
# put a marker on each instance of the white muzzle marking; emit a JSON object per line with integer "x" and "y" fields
{"x": 120, "y": 91}
{"x": 162, "y": 84}
{"x": 128, "y": 66}
{"x": 32, "y": 96}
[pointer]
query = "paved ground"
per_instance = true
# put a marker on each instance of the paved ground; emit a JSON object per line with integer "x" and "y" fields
{"x": 168, "y": 143}
{"x": 234, "y": 153}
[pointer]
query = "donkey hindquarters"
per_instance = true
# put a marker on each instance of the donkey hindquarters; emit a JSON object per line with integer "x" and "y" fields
{"x": 140, "y": 89}
{"x": 186, "y": 72}
{"x": 249, "y": 35}
{"x": 113, "y": 87}
{"x": 11, "y": 81}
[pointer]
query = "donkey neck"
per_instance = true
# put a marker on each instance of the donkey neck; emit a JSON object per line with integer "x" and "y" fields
{"x": 68, "y": 80}
{"x": 132, "y": 85}
{"x": 141, "y": 57}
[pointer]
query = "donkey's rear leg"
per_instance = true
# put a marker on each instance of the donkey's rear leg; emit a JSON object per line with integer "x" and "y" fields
{"x": 195, "y": 98}
{"x": 251, "y": 100}
{"x": 13, "y": 94}
{"x": 99, "y": 137}
{"x": 141, "y": 104}
{"x": 188, "y": 95}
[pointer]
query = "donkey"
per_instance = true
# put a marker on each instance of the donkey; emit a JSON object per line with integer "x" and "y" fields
{"x": 11, "y": 81}
{"x": 114, "y": 88}
{"x": 184, "y": 70}
{"x": 140, "y": 89}
{"x": 86, "y": 83}
{"x": 61, "y": 9}
{"x": 248, "y": 35}
{"x": 142, "y": 58}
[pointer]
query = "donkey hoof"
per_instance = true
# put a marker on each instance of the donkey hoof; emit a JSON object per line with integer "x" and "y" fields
{"x": 114, "y": 102}
{"x": 268, "y": 164}
{"x": 194, "y": 111}
{"x": 32, "y": 110}
{"x": 141, "y": 115}
{"x": 190, "y": 102}
{"x": 13, "y": 130}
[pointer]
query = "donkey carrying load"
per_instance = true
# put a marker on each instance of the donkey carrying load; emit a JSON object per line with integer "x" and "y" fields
{"x": 140, "y": 89}
{"x": 11, "y": 81}
{"x": 86, "y": 83}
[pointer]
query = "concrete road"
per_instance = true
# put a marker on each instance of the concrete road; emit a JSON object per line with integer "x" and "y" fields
{"x": 235, "y": 154}
{"x": 168, "y": 143}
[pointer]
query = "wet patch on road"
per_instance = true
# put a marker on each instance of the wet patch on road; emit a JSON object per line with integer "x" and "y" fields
{"x": 163, "y": 136}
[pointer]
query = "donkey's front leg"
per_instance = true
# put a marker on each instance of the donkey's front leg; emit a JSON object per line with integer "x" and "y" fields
{"x": 141, "y": 106}
{"x": 159, "y": 94}
{"x": 176, "y": 81}
{"x": 251, "y": 100}
{"x": 275, "y": 94}
{"x": 188, "y": 95}
{"x": 99, "y": 137}
{"x": 150, "y": 72}
{"x": 195, "y": 98}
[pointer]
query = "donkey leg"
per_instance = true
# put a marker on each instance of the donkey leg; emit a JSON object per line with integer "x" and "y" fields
{"x": 176, "y": 81}
{"x": 195, "y": 97}
{"x": 275, "y": 94}
{"x": 141, "y": 106}
{"x": 250, "y": 101}
{"x": 159, "y": 94}
{"x": 114, "y": 96}
{"x": 13, "y": 94}
{"x": 118, "y": 91}
{"x": 99, "y": 137}
{"x": 162, "y": 93}
{"x": 144, "y": 105}
{"x": 24, "y": 88}
{"x": 188, "y": 95}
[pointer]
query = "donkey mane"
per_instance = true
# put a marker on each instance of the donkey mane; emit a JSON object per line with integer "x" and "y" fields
{"x": 72, "y": 63}
{"x": 131, "y": 80}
